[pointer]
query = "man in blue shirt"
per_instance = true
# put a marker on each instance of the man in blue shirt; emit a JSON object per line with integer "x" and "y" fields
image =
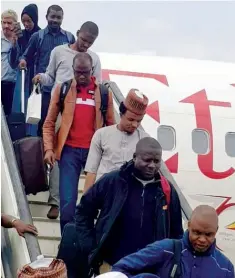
{"x": 40, "y": 47}
{"x": 8, "y": 75}
{"x": 199, "y": 255}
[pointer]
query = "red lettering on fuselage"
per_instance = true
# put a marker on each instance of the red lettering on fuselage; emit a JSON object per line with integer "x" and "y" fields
{"x": 225, "y": 204}
{"x": 172, "y": 163}
{"x": 159, "y": 77}
{"x": 153, "y": 111}
{"x": 203, "y": 121}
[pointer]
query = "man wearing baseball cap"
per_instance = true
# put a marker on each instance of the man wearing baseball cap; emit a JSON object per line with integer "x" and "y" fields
{"x": 114, "y": 145}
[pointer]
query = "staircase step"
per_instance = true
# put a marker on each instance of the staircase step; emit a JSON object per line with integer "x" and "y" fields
{"x": 47, "y": 227}
{"x": 43, "y": 196}
{"x": 39, "y": 197}
{"x": 49, "y": 246}
{"x": 39, "y": 209}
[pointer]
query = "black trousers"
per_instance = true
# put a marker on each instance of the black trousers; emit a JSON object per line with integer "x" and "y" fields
{"x": 7, "y": 93}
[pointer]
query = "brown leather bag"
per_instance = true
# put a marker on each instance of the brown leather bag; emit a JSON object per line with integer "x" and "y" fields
{"x": 29, "y": 154}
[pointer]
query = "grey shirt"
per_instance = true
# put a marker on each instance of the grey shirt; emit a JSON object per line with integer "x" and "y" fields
{"x": 60, "y": 68}
{"x": 110, "y": 149}
{"x": 7, "y": 73}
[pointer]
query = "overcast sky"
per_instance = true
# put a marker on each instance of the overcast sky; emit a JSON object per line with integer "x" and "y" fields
{"x": 200, "y": 29}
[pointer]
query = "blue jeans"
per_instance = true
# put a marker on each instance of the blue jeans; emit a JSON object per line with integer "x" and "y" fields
{"x": 71, "y": 163}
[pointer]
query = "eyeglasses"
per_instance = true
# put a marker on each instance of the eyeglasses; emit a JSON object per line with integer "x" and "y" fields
{"x": 79, "y": 72}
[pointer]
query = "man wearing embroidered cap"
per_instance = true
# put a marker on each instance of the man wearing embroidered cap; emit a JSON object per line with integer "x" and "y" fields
{"x": 114, "y": 145}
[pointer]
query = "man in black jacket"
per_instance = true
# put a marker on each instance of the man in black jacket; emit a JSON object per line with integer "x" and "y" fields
{"x": 133, "y": 210}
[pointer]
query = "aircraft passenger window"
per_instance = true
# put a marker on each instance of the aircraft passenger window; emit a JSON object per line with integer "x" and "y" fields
{"x": 230, "y": 144}
{"x": 200, "y": 141}
{"x": 166, "y": 137}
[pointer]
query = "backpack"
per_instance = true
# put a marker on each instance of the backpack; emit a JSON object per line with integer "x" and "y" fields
{"x": 41, "y": 34}
{"x": 104, "y": 95}
{"x": 175, "y": 271}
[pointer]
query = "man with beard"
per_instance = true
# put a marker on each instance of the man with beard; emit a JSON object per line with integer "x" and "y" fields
{"x": 40, "y": 46}
{"x": 112, "y": 146}
{"x": 8, "y": 75}
{"x": 134, "y": 210}
{"x": 199, "y": 256}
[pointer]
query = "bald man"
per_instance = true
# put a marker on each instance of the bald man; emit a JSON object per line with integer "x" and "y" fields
{"x": 199, "y": 256}
{"x": 81, "y": 117}
{"x": 133, "y": 209}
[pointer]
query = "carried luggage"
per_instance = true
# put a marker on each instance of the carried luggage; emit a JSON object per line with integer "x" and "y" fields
{"x": 33, "y": 115}
{"x": 29, "y": 154}
{"x": 70, "y": 252}
{"x": 16, "y": 120}
{"x": 29, "y": 151}
{"x": 68, "y": 249}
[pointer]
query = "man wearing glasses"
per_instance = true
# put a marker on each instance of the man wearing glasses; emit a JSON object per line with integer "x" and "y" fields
{"x": 81, "y": 117}
{"x": 60, "y": 70}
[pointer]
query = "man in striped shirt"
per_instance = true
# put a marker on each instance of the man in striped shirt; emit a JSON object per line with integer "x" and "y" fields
{"x": 53, "y": 35}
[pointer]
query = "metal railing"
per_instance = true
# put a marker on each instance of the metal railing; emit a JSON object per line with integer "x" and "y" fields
{"x": 21, "y": 199}
{"x": 185, "y": 207}
{"x": 6, "y": 253}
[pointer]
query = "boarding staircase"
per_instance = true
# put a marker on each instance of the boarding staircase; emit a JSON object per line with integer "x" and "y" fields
{"x": 48, "y": 230}
{"x": 34, "y": 208}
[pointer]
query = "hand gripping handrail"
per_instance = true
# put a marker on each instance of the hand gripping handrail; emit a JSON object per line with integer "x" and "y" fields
{"x": 21, "y": 199}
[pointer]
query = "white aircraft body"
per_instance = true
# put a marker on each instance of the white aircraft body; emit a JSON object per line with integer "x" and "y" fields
{"x": 192, "y": 113}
